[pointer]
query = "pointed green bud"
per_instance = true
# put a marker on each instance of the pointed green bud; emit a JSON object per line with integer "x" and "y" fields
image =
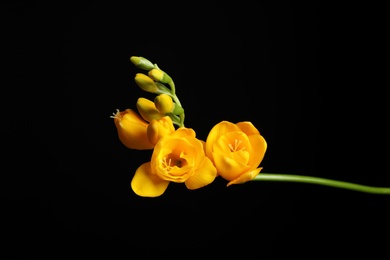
{"x": 142, "y": 63}
{"x": 164, "y": 103}
{"x": 178, "y": 110}
{"x": 146, "y": 83}
{"x": 159, "y": 75}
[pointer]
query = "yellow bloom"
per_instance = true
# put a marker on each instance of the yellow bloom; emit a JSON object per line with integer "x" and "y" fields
{"x": 236, "y": 150}
{"x": 132, "y": 130}
{"x": 177, "y": 157}
{"x": 148, "y": 109}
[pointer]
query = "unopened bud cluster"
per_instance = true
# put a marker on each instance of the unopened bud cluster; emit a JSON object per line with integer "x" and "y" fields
{"x": 158, "y": 82}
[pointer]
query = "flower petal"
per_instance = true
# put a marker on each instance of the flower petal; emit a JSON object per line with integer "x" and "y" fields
{"x": 259, "y": 146}
{"x": 248, "y": 128}
{"x": 227, "y": 167}
{"x": 159, "y": 128}
{"x": 184, "y": 132}
{"x": 247, "y": 176}
{"x": 235, "y": 145}
{"x": 203, "y": 176}
{"x": 146, "y": 184}
{"x": 216, "y": 132}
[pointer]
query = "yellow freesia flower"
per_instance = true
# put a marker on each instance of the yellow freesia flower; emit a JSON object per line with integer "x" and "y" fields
{"x": 132, "y": 130}
{"x": 236, "y": 150}
{"x": 177, "y": 157}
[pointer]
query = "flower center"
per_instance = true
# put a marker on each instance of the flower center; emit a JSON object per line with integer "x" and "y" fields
{"x": 236, "y": 146}
{"x": 172, "y": 161}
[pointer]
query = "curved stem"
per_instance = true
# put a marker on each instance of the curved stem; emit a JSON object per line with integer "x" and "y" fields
{"x": 176, "y": 100}
{"x": 321, "y": 181}
{"x": 181, "y": 120}
{"x": 173, "y": 88}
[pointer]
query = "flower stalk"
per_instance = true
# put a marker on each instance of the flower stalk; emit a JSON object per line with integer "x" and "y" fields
{"x": 321, "y": 181}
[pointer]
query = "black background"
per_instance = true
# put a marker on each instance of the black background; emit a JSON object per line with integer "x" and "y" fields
{"x": 309, "y": 76}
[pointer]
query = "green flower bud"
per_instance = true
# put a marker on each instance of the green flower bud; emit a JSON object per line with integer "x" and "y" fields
{"x": 142, "y": 63}
{"x": 159, "y": 75}
{"x": 164, "y": 103}
{"x": 146, "y": 83}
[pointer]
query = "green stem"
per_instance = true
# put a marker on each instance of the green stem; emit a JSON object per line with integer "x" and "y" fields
{"x": 181, "y": 120}
{"x": 177, "y": 101}
{"x": 321, "y": 181}
{"x": 173, "y": 88}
